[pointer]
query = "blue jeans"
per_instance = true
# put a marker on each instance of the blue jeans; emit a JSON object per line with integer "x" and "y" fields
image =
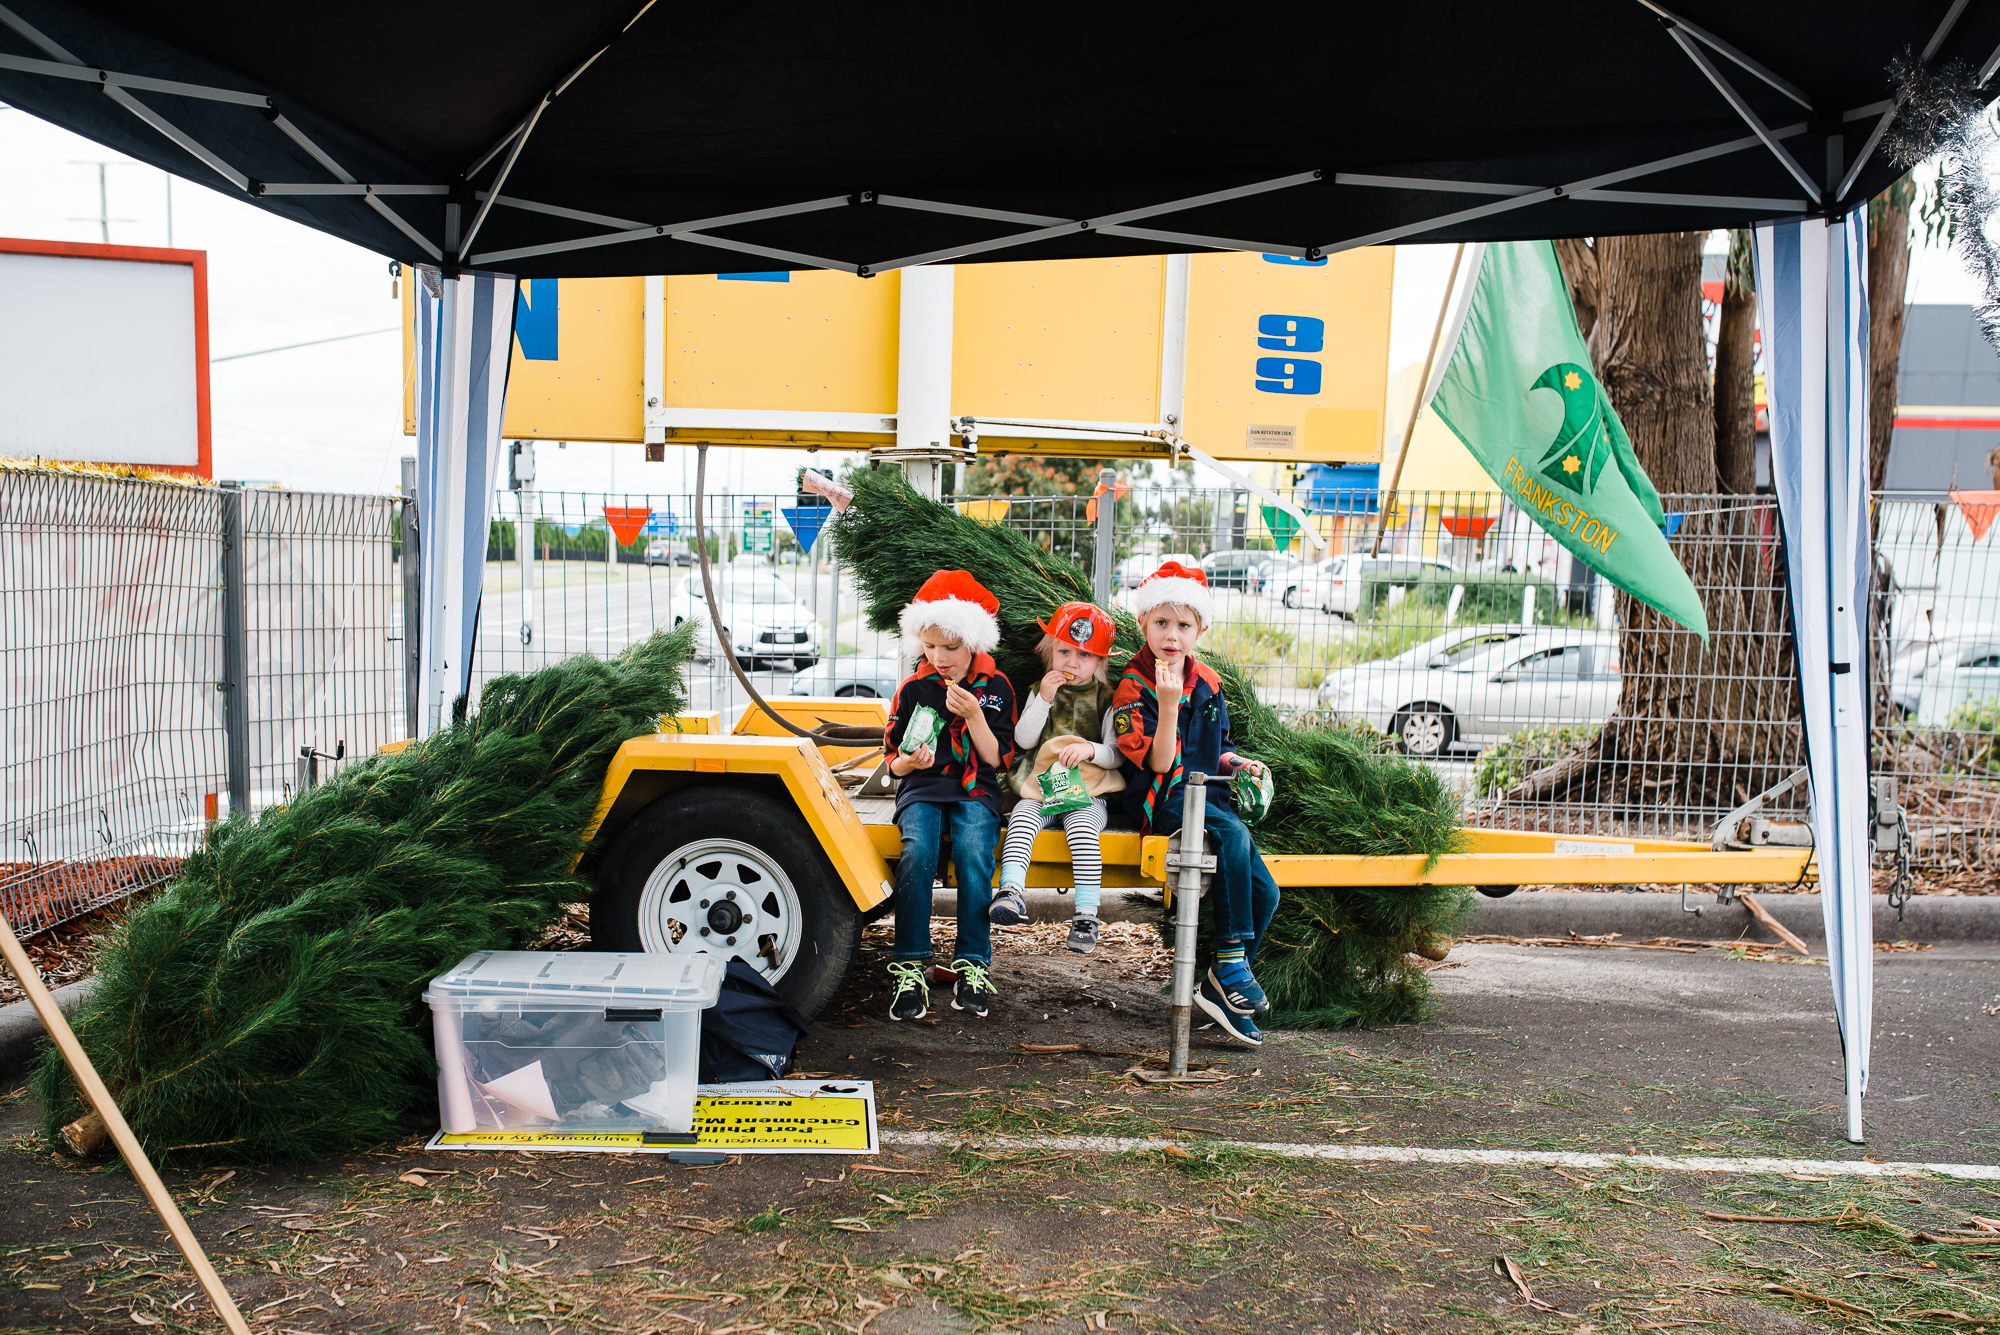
{"x": 1242, "y": 882}
{"x": 974, "y": 832}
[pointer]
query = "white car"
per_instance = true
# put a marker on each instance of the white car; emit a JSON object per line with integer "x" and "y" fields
{"x": 1279, "y": 577}
{"x": 765, "y": 618}
{"x": 1944, "y": 676}
{"x": 869, "y": 678}
{"x": 1336, "y": 585}
{"x": 1479, "y": 684}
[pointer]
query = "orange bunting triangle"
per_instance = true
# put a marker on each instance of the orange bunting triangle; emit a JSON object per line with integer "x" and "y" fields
{"x": 1980, "y": 509}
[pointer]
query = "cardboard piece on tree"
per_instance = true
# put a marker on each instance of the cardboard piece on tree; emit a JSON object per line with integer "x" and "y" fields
{"x": 756, "y": 1117}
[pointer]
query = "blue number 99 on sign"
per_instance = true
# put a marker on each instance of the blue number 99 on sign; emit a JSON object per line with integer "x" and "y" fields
{"x": 1291, "y": 333}
{"x": 1286, "y": 375}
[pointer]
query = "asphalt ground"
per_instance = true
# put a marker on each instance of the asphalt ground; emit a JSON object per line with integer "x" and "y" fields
{"x": 1542, "y": 1049}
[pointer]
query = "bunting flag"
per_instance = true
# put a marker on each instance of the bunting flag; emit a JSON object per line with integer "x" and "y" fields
{"x": 1980, "y": 508}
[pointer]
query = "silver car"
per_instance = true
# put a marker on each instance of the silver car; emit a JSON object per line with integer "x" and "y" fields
{"x": 765, "y": 617}
{"x": 866, "y": 677}
{"x": 1479, "y": 684}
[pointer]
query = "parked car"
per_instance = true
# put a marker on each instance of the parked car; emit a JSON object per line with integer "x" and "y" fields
{"x": 865, "y": 677}
{"x": 1479, "y": 684}
{"x": 1336, "y": 585}
{"x": 1129, "y": 572}
{"x": 765, "y": 618}
{"x": 669, "y": 552}
{"x": 1279, "y": 577}
{"x": 1230, "y": 570}
{"x": 1947, "y": 675}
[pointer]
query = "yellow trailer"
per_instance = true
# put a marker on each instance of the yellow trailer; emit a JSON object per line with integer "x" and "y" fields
{"x": 742, "y": 840}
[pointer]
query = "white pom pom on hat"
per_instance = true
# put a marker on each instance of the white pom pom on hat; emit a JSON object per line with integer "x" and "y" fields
{"x": 1176, "y": 585}
{"x": 953, "y": 603}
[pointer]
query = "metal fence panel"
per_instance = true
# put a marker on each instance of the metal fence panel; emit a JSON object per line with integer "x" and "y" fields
{"x": 113, "y": 751}
{"x": 1444, "y": 623}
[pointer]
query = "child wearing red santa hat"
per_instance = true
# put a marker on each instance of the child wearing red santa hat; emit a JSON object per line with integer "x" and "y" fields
{"x": 1170, "y": 718}
{"x": 952, "y": 785}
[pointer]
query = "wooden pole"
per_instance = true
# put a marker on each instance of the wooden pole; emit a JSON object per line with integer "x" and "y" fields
{"x": 1423, "y": 382}
{"x": 121, "y": 1134}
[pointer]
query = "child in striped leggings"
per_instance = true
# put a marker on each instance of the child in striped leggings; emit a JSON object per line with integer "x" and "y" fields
{"x": 1070, "y": 707}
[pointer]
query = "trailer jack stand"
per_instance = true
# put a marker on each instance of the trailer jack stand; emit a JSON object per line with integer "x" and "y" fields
{"x": 1191, "y": 861}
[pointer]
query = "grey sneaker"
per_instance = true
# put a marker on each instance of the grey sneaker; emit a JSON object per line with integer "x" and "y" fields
{"x": 911, "y": 999}
{"x": 1083, "y": 934}
{"x": 1009, "y": 908}
{"x": 974, "y": 990}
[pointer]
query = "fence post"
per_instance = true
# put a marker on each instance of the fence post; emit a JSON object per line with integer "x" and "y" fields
{"x": 235, "y": 653}
{"x": 1107, "y": 538}
{"x": 413, "y": 598}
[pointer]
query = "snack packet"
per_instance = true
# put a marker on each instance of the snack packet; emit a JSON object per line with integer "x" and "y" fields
{"x": 926, "y": 726}
{"x": 1251, "y": 794}
{"x": 1062, "y": 791}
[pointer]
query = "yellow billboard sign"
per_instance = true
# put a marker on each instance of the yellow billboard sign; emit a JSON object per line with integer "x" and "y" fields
{"x": 1249, "y": 357}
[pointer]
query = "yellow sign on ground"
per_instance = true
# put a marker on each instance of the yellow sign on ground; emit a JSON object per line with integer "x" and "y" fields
{"x": 1249, "y": 357}
{"x": 756, "y": 1117}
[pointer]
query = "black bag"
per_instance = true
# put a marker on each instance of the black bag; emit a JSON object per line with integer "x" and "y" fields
{"x": 749, "y": 1033}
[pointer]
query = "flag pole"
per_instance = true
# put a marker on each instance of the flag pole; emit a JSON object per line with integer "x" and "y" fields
{"x": 1423, "y": 383}
{"x": 100, "y": 1099}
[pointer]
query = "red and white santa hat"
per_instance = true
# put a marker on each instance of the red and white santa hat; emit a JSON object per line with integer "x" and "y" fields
{"x": 953, "y": 603}
{"x": 1176, "y": 585}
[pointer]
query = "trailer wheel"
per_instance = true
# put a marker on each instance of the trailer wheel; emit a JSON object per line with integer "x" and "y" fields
{"x": 1496, "y": 891}
{"x": 731, "y": 869}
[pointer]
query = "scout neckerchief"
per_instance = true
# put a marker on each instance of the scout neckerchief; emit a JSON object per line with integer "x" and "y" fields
{"x": 1140, "y": 669}
{"x": 957, "y": 732}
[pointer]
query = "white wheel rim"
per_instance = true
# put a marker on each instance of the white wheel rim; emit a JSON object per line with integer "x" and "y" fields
{"x": 1424, "y": 734}
{"x": 700, "y": 889}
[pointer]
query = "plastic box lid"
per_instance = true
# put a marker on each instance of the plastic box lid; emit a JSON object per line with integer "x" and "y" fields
{"x": 584, "y": 980}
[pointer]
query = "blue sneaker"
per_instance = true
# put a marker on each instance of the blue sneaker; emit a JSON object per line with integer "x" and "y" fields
{"x": 1009, "y": 908}
{"x": 1234, "y": 982}
{"x": 1234, "y": 1027}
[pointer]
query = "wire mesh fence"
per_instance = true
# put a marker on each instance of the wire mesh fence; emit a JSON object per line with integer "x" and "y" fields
{"x": 1445, "y": 623}
{"x": 113, "y": 756}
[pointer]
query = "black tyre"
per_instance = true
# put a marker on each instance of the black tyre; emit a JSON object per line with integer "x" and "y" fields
{"x": 1496, "y": 891}
{"x": 1425, "y": 730}
{"x": 733, "y": 869}
{"x": 1291, "y": 597}
{"x": 858, "y": 692}
{"x": 801, "y": 664}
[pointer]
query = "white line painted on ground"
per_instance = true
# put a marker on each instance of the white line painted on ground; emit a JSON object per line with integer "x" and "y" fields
{"x": 1491, "y": 1158}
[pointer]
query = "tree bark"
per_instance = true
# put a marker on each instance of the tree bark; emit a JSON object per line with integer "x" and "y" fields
{"x": 1579, "y": 266}
{"x": 1888, "y": 276}
{"x": 1695, "y": 728}
{"x": 1735, "y": 384}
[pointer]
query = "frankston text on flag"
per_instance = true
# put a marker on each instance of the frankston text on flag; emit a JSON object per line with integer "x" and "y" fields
{"x": 1519, "y": 391}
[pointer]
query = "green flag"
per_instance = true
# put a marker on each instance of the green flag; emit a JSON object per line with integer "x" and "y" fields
{"x": 1520, "y": 393}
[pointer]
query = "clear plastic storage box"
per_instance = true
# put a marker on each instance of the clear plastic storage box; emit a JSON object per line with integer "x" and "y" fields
{"x": 587, "y": 1042}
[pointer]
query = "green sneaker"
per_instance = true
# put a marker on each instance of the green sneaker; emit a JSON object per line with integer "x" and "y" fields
{"x": 911, "y": 999}
{"x": 974, "y": 989}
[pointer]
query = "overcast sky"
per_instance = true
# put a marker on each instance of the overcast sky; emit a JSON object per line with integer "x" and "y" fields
{"x": 330, "y": 417}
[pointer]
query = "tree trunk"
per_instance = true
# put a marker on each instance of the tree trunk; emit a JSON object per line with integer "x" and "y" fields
{"x": 1694, "y": 729}
{"x": 1579, "y": 266}
{"x": 1888, "y": 275}
{"x": 1735, "y": 386}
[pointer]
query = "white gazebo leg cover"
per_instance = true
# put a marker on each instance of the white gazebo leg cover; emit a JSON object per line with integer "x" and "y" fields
{"x": 1813, "y": 305}
{"x": 465, "y": 334}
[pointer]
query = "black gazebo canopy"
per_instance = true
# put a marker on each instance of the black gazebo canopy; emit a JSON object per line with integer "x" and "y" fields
{"x": 604, "y": 137}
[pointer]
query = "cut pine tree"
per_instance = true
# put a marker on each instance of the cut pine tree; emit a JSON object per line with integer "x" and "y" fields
{"x": 268, "y": 1004}
{"x": 1335, "y": 955}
